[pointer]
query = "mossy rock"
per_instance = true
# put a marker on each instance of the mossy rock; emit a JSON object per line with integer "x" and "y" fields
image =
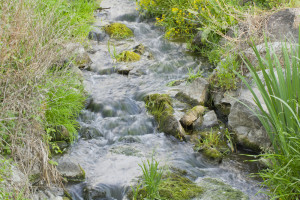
{"x": 212, "y": 153}
{"x": 118, "y": 31}
{"x": 215, "y": 189}
{"x": 128, "y": 56}
{"x": 160, "y": 106}
{"x": 174, "y": 186}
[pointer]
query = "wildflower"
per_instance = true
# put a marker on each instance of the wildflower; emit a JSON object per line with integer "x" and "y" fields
{"x": 174, "y": 10}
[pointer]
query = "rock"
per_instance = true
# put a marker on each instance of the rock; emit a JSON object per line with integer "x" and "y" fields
{"x": 139, "y": 49}
{"x": 97, "y": 34}
{"x": 284, "y": 24}
{"x": 89, "y": 132}
{"x": 118, "y": 31}
{"x": 126, "y": 150}
{"x": 275, "y": 48}
{"x": 223, "y": 101}
{"x": 81, "y": 57}
{"x": 52, "y": 193}
{"x": 248, "y": 128}
{"x": 192, "y": 115}
{"x": 59, "y": 133}
{"x": 215, "y": 189}
{"x": 195, "y": 93}
{"x": 160, "y": 106}
{"x": 210, "y": 120}
{"x": 197, "y": 41}
{"x": 94, "y": 192}
{"x": 124, "y": 70}
{"x": 70, "y": 170}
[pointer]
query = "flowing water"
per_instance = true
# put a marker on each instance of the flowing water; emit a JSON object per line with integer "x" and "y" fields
{"x": 117, "y": 133}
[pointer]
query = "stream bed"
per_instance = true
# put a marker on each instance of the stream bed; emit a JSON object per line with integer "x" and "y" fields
{"x": 117, "y": 133}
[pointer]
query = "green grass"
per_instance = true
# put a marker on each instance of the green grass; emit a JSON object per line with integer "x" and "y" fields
{"x": 281, "y": 119}
{"x": 65, "y": 99}
{"x": 152, "y": 176}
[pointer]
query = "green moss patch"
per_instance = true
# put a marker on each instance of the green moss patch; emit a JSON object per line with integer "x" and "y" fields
{"x": 174, "y": 186}
{"x": 128, "y": 56}
{"x": 118, "y": 31}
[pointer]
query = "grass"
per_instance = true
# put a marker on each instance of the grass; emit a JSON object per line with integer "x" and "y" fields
{"x": 280, "y": 92}
{"x": 32, "y": 38}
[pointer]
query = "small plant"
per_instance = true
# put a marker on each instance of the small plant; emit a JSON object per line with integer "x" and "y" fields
{"x": 193, "y": 76}
{"x": 152, "y": 176}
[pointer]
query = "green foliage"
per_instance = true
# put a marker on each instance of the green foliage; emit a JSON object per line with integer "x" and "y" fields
{"x": 77, "y": 14}
{"x": 280, "y": 92}
{"x": 128, "y": 56}
{"x": 193, "y": 76}
{"x": 152, "y": 176}
{"x": 118, "y": 31}
{"x": 65, "y": 99}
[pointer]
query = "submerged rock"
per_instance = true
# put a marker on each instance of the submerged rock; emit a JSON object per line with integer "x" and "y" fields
{"x": 139, "y": 49}
{"x": 118, "y": 31}
{"x": 160, "y": 106}
{"x": 124, "y": 70}
{"x": 192, "y": 115}
{"x": 97, "y": 34}
{"x": 215, "y": 189}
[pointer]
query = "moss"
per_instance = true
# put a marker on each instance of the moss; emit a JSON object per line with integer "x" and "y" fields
{"x": 159, "y": 105}
{"x": 128, "y": 56}
{"x": 174, "y": 186}
{"x": 118, "y": 31}
{"x": 213, "y": 153}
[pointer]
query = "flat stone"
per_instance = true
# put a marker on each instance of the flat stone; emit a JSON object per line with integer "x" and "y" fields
{"x": 70, "y": 169}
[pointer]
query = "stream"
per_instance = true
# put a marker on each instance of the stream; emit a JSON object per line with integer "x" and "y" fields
{"x": 117, "y": 133}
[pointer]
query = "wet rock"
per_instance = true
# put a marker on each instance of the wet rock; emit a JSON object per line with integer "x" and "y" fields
{"x": 129, "y": 139}
{"x": 215, "y": 189}
{"x": 91, "y": 192}
{"x": 97, "y": 34}
{"x": 248, "y": 128}
{"x": 160, "y": 106}
{"x": 139, "y": 49}
{"x": 223, "y": 101}
{"x": 195, "y": 93}
{"x": 59, "y": 133}
{"x": 192, "y": 115}
{"x": 124, "y": 70}
{"x": 210, "y": 120}
{"x": 71, "y": 170}
{"x": 89, "y": 132}
{"x": 284, "y": 24}
{"x": 118, "y": 31}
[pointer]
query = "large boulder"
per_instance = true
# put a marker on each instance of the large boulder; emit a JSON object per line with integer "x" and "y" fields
{"x": 247, "y": 126}
{"x": 284, "y": 24}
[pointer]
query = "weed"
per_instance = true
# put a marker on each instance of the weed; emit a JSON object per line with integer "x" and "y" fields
{"x": 193, "y": 76}
{"x": 152, "y": 176}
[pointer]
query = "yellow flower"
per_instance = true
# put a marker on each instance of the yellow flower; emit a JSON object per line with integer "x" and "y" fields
{"x": 203, "y": 9}
{"x": 174, "y": 10}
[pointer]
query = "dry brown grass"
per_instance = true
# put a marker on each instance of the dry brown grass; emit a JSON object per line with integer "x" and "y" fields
{"x": 29, "y": 44}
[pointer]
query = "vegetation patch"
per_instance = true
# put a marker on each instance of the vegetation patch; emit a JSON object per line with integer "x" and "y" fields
{"x": 128, "y": 56}
{"x": 118, "y": 31}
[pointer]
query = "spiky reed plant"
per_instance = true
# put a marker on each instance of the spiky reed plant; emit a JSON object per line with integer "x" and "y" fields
{"x": 281, "y": 95}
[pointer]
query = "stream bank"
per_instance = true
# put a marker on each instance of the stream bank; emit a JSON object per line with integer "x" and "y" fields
{"x": 117, "y": 132}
